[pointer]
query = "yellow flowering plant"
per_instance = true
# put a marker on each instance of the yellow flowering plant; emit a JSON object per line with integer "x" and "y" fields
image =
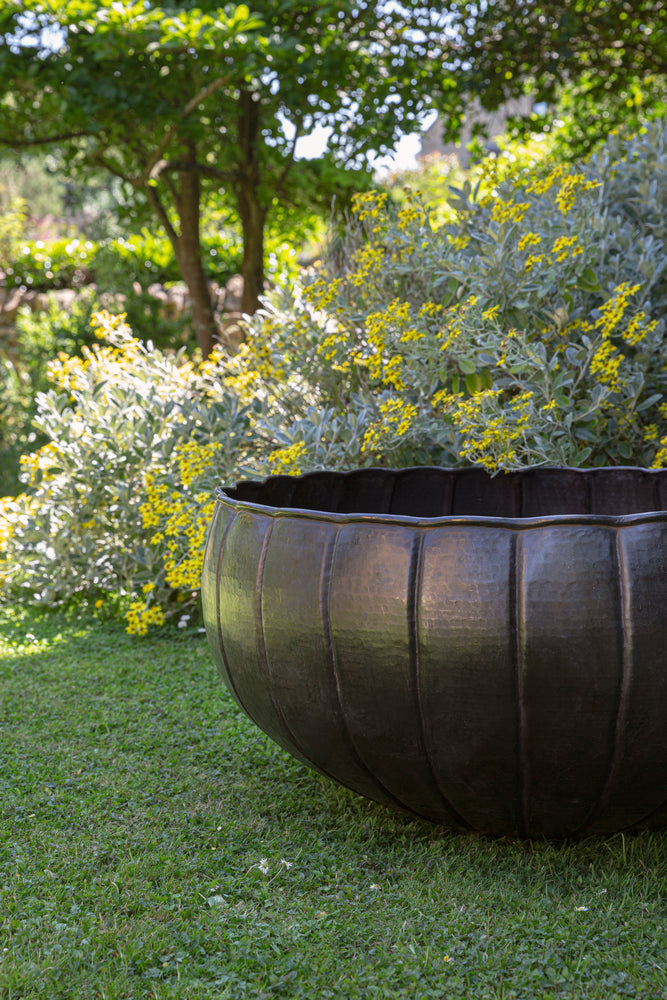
{"x": 526, "y": 329}
{"x": 118, "y": 500}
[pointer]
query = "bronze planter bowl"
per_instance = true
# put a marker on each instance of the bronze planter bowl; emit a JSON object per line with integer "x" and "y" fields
{"x": 486, "y": 653}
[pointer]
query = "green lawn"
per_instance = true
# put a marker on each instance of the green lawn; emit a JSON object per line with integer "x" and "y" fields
{"x": 153, "y": 843}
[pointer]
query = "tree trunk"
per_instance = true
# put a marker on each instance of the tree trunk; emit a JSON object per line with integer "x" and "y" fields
{"x": 253, "y": 219}
{"x": 251, "y": 210}
{"x": 187, "y": 248}
{"x": 188, "y": 252}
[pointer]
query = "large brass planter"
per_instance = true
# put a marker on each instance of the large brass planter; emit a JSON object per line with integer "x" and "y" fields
{"x": 487, "y": 653}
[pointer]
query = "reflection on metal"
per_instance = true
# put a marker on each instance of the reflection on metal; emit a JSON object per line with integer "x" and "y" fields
{"x": 486, "y": 653}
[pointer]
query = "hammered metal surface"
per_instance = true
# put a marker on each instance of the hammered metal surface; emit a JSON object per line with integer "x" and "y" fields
{"x": 486, "y": 653}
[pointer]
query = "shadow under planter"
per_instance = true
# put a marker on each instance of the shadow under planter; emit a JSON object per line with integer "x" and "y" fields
{"x": 483, "y": 652}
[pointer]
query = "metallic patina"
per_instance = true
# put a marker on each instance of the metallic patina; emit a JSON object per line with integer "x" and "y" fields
{"x": 484, "y": 652}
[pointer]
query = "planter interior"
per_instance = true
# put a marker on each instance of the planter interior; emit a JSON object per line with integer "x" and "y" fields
{"x": 484, "y": 652}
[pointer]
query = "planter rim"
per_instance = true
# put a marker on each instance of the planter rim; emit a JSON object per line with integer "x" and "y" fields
{"x": 512, "y": 523}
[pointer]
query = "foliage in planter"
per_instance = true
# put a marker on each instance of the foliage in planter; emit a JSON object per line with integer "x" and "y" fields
{"x": 528, "y": 331}
{"x": 132, "y": 434}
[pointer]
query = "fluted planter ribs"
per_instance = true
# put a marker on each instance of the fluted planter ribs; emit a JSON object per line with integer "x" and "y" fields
{"x": 487, "y": 653}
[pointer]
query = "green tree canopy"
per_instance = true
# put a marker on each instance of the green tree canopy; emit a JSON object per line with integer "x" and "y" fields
{"x": 177, "y": 98}
{"x": 605, "y": 61}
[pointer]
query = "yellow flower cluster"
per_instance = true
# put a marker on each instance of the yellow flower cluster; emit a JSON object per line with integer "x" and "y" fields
{"x": 366, "y": 261}
{"x": 244, "y": 384}
{"x": 509, "y": 211}
{"x": 334, "y": 345}
{"x": 606, "y": 365}
{"x": 286, "y": 460}
{"x": 443, "y": 400}
{"x": 141, "y": 615}
{"x": 635, "y": 332}
{"x": 369, "y": 204}
{"x": 487, "y": 436}
{"x": 568, "y": 189}
{"x": 458, "y": 242}
{"x": 67, "y": 372}
{"x": 214, "y": 376}
{"x": 185, "y": 554}
{"x": 7, "y": 508}
{"x": 392, "y": 372}
{"x": 651, "y": 434}
{"x": 211, "y": 366}
{"x": 529, "y": 240}
{"x": 406, "y": 216}
{"x": 381, "y": 328}
{"x": 542, "y": 184}
{"x": 182, "y": 516}
{"x": 254, "y": 363}
{"x": 607, "y": 362}
{"x": 430, "y": 310}
{"x": 412, "y": 333}
{"x": 568, "y": 186}
{"x": 660, "y": 460}
{"x": 451, "y": 330}
{"x": 611, "y": 313}
{"x": 563, "y": 247}
{"x": 398, "y": 416}
{"x": 157, "y": 504}
{"x": 323, "y": 292}
{"x": 566, "y": 246}
{"x": 534, "y": 259}
{"x": 194, "y": 459}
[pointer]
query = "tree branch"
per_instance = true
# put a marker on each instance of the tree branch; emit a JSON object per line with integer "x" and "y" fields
{"x": 111, "y": 167}
{"x": 161, "y": 213}
{"x": 62, "y": 137}
{"x": 203, "y": 94}
{"x": 202, "y": 168}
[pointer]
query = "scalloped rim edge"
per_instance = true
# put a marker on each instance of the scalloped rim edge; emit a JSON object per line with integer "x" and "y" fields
{"x": 514, "y": 523}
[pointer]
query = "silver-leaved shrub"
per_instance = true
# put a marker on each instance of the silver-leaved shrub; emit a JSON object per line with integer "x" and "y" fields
{"x": 118, "y": 500}
{"x": 529, "y": 329}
